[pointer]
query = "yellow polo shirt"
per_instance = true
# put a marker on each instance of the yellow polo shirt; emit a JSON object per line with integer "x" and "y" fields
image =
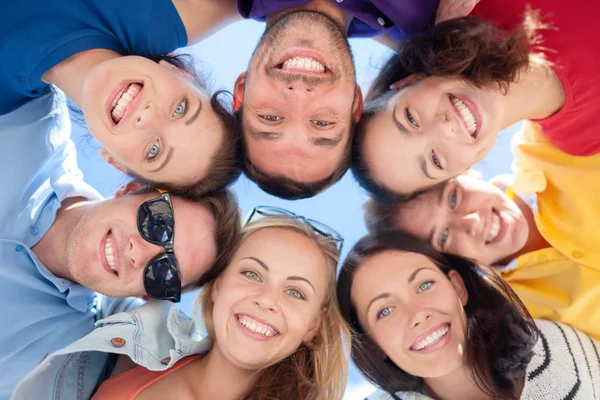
{"x": 563, "y": 282}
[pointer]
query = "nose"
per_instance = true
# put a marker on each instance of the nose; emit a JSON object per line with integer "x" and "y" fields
{"x": 267, "y": 299}
{"x": 419, "y": 317}
{"x": 146, "y": 116}
{"x": 471, "y": 222}
{"x": 298, "y": 88}
{"x": 140, "y": 251}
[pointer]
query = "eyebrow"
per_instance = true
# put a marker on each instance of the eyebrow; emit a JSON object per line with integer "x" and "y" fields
{"x": 193, "y": 117}
{"x": 327, "y": 142}
{"x": 374, "y": 299}
{"x": 423, "y": 166}
{"x": 264, "y": 135}
{"x": 414, "y": 274}
{"x": 165, "y": 160}
{"x": 291, "y": 278}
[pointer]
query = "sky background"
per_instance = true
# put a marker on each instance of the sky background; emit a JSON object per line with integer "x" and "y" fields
{"x": 221, "y": 58}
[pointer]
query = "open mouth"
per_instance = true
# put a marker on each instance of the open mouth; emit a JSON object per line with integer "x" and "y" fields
{"x": 109, "y": 254}
{"x": 123, "y": 100}
{"x": 466, "y": 115}
{"x": 497, "y": 228}
{"x": 255, "y": 327}
{"x": 431, "y": 339}
{"x": 303, "y": 61}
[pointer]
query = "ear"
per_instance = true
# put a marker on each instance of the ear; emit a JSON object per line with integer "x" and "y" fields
{"x": 129, "y": 187}
{"x": 176, "y": 69}
{"x": 358, "y": 104}
{"x": 459, "y": 287}
{"x": 112, "y": 161}
{"x": 314, "y": 326}
{"x": 409, "y": 80}
{"x": 238, "y": 91}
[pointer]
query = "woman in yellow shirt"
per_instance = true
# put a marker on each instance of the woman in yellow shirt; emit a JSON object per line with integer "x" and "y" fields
{"x": 540, "y": 227}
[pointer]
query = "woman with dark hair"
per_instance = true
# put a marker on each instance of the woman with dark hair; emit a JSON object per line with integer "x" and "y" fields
{"x": 435, "y": 326}
{"x": 153, "y": 116}
{"x": 438, "y": 104}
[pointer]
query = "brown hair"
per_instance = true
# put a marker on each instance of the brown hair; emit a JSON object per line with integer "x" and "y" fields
{"x": 226, "y": 166}
{"x": 501, "y": 333}
{"x": 475, "y": 50}
{"x": 286, "y": 188}
{"x": 313, "y": 372}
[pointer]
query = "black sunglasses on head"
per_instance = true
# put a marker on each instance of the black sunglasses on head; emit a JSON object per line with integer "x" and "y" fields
{"x": 156, "y": 224}
{"x": 331, "y": 234}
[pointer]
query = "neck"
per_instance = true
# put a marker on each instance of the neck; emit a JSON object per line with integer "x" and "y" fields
{"x": 215, "y": 377}
{"x": 458, "y": 384}
{"x": 537, "y": 95}
{"x": 67, "y": 217}
{"x": 325, "y": 6}
{"x": 70, "y": 74}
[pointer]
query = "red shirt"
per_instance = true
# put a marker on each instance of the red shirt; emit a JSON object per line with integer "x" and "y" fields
{"x": 574, "y": 49}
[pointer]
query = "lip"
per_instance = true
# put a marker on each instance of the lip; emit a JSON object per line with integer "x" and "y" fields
{"x": 474, "y": 110}
{"x": 252, "y": 334}
{"x": 130, "y": 106}
{"x": 503, "y": 228}
{"x": 439, "y": 345}
{"x": 298, "y": 52}
{"x": 102, "y": 255}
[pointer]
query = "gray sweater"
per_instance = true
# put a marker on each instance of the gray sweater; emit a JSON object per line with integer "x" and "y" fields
{"x": 565, "y": 365}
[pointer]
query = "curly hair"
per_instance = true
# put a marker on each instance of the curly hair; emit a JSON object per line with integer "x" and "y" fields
{"x": 501, "y": 336}
{"x": 473, "y": 49}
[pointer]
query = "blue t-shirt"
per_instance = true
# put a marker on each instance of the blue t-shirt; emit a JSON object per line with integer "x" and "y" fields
{"x": 38, "y": 34}
{"x": 39, "y": 312}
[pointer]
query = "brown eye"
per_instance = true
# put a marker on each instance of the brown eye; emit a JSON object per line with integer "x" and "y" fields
{"x": 410, "y": 119}
{"x": 435, "y": 160}
{"x": 271, "y": 118}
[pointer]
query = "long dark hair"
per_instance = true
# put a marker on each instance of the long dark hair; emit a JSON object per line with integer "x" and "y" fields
{"x": 501, "y": 331}
{"x": 468, "y": 47}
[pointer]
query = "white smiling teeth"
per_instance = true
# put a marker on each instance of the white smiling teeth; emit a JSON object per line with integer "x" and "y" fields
{"x": 108, "y": 252}
{"x": 495, "y": 228}
{"x": 466, "y": 115}
{"x": 303, "y": 63}
{"x": 255, "y": 326}
{"x": 122, "y": 100}
{"x": 431, "y": 339}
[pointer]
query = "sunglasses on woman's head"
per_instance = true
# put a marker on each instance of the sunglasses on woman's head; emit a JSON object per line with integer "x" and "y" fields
{"x": 156, "y": 224}
{"x": 267, "y": 211}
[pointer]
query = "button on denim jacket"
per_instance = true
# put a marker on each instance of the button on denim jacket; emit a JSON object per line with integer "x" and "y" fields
{"x": 155, "y": 336}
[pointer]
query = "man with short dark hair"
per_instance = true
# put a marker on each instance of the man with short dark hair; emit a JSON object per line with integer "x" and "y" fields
{"x": 298, "y": 102}
{"x": 60, "y": 242}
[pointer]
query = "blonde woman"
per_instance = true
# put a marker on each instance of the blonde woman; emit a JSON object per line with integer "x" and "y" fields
{"x": 272, "y": 318}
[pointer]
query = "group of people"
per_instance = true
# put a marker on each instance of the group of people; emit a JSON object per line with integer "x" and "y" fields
{"x": 462, "y": 289}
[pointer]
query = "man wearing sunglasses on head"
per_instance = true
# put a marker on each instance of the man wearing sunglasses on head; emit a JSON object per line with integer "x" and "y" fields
{"x": 62, "y": 244}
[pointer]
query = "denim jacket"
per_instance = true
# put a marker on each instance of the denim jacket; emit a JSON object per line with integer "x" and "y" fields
{"x": 155, "y": 336}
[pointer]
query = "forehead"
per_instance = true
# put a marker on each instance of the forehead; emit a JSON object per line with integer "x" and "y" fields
{"x": 386, "y": 270}
{"x": 285, "y": 251}
{"x": 420, "y": 213}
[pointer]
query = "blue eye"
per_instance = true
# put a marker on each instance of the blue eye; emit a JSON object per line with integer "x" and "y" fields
{"x": 154, "y": 151}
{"x": 444, "y": 238}
{"x": 181, "y": 108}
{"x": 251, "y": 275}
{"x": 453, "y": 197}
{"x": 424, "y": 286}
{"x": 295, "y": 293}
{"x": 384, "y": 313}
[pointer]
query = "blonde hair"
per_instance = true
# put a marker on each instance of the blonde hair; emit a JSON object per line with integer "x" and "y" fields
{"x": 315, "y": 371}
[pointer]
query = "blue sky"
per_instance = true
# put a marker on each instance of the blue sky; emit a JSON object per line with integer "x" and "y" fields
{"x": 222, "y": 57}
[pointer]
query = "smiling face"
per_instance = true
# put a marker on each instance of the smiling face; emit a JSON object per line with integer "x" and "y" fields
{"x": 431, "y": 130}
{"x": 412, "y": 311}
{"x": 151, "y": 120}
{"x": 270, "y": 299}
{"x": 299, "y": 98}
{"x": 106, "y": 253}
{"x": 467, "y": 217}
